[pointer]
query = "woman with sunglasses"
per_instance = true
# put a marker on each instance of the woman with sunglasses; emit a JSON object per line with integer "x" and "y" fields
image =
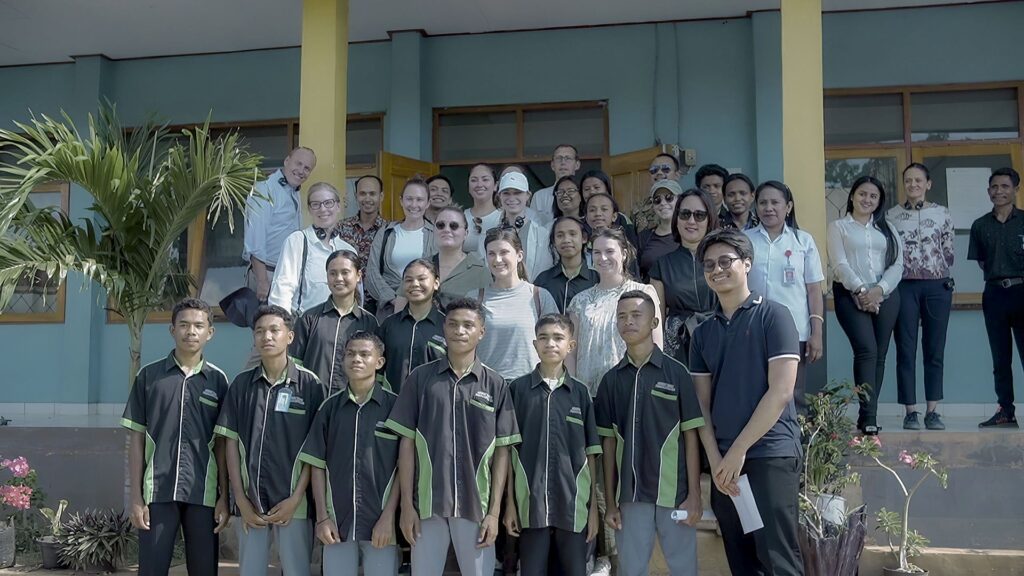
{"x": 568, "y": 199}
{"x": 460, "y": 272}
{"x": 678, "y": 278}
{"x": 484, "y": 214}
{"x": 514, "y": 197}
{"x": 653, "y": 243}
{"x": 787, "y": 269}
{"x": 866, "y": 256}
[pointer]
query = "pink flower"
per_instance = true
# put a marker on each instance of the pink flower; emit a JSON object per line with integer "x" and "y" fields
{"x": 18, "y": 467}
{"x": 877, "y": 442}
{"x": 18, "y": 497}
{"x": 907, "y": 458}
{"x": 855, "y": 441}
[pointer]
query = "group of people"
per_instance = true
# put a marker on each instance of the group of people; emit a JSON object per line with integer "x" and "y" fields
{"x": 534, "y": 370}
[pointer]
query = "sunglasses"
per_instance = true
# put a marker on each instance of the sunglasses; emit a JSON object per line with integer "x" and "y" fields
{"x": 326, "y": 204}
{"x": 453, "y": 226}
{"x": 663, "y": 198}
{"x": 723, "y": 262}
{"x": 663, "y": 168}
{"x": 697, "y": 215}
{"x": 478, "y": 224}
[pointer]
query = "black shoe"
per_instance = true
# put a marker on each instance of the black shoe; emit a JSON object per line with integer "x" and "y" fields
{"x": 933, "y": 421}
{"x": 1000, "y": 419}
{"x": 911, "y": 421}
{"x": 871, "y": 430}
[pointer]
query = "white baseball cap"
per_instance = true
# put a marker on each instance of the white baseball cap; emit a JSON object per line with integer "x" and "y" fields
{"x": 514, "y": 180}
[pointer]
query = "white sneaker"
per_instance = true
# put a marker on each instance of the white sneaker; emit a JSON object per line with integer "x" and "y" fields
{"x": 603, "y": 567}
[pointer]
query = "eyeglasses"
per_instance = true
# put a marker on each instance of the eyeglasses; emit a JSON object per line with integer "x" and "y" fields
{"x": 564, "y": 158}
{"x": 697, "y": 215}
{"x": 723, "y": 262}
{"x": 666, "y": 199}
{"x": 325, "y": 204}
{"x": 663, "y": 168}
{"x": 567, "y": 192}
{"x": 453, "y": 226}
{"x": 478, "y": 224}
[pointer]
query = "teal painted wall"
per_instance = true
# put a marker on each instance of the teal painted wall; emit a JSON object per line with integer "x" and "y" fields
{"x": 711, "y": 85}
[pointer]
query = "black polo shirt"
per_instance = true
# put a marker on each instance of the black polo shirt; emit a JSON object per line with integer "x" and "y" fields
{"x": 562, "y": 288}
{"x": 409, "y": 343}
{"x": 177, "y": 412}
{"x": 999, "y": 246}
{"x": 686, "y": 290}
{"x": 735, "y": 353}
{"x": 270, "y": 421}
{"x": 646, "y": 410}
{"x": 320, "y": 336}
{"x": 551, "y": 477}
{"x": 652, "y": 248}
{"x": 457, "y": 421}
{"x": 360, "y": 455}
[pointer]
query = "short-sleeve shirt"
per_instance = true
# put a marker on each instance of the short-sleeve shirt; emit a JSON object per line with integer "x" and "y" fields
{"x": 510, "y": 318}
{"x": 359, "y": 453}
{"x": 468, "y": 275}
{"x": 562, "y": 288}
{"x": 647, "y": 409}
{"x": 999, "y": 246}
{"x": 270, "y": 219}
{"x": 320, "y": 337}
{"x": 652, "y": 247}
{"x": 686, "y": 290}
{"x": 783, "y": 268}
{"x": 270, "y": 421}
{"x": 409, "y": 343}
{"x": 735, "y": 353}
{"x": 551, "y": 477}
{"x": 457, "y": 421}
{"x": 352, "y": 232}
{"x": 177, "y": 412}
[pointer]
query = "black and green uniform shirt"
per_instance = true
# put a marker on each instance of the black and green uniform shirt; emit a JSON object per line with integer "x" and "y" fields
{"x": 646, "y": 409}
{"x": 409, "y": 343}
{"x": 551, "y": 478}
{"x": 563, "y": 288}
{"x": 359, "y": 454}
{"x": 270, "y": 421}
{"x": 177, "y": 412}
{"x": 320, "y": 337}
{"x": 456, "y": 420}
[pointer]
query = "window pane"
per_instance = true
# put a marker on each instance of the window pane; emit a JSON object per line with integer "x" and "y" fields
{"x": 269, "y": 141}
{"x": 964, "y": 115}
{"x": 222, "y": 257}
{"x": 36, "y": 293}
{"x": 840, "y": 174}
{"x": 876, "y": 118}
{"x": 477, "y": 136}
{"x": 363, "y": 139}
{"x": 545, "y": 129}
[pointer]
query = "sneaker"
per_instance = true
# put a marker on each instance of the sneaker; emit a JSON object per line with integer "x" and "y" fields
{"x": 871, "y": 430}
{"x": 602, "y": 567}
{"x": 1000, "y": 419}
{"x": 911, "y": 421}
{"x": 933, "y": 421}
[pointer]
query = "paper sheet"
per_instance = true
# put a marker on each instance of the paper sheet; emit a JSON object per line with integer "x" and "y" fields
{"x": 967, "y": 193}
{"x": 746, "y": 508}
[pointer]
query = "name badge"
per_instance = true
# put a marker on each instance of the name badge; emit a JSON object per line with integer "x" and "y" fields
{"x": 789, "y": 275}
{"x": 284, "y": 400}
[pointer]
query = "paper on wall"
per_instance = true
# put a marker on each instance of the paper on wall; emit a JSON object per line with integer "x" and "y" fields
{"x": 746, "y": 508}
{"x": 967, "y": 194}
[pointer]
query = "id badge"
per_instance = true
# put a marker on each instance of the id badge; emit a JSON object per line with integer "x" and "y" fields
{"x": 284, "y": 400}
{"x": 789, "y": 275}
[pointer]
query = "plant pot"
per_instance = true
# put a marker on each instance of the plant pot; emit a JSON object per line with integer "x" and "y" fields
{"x": 832, "y": 508}
{"x": 50, "y": 549}
{"x": 7, "y": 543}
{"x": 898, "y": 572}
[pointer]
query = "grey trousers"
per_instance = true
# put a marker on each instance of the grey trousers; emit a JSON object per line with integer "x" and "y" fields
{"x": 640, "y": 521}
{"x": 294, "y": 546}
{"x": 431, "y": 549}
{"x": 342, "y": 559}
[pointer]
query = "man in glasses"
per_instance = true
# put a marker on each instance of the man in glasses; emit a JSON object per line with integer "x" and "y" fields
{"x": 743, "y": 361}
{"x": 565, "y": 161}
{"x": 711, "y": 179}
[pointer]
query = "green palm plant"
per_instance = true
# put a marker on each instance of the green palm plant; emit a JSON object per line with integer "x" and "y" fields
{"x": 148, "y": 186}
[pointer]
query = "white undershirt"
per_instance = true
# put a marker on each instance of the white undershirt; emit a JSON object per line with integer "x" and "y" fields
{"x": 407, "y": 247}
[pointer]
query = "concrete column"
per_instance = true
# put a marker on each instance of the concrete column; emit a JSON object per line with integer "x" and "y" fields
{"x": 323, "y": 86}
{"x": 404, "y": 123}
{"x": 767, "y": 57}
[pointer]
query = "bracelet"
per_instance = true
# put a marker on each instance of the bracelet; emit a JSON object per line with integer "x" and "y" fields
{"x": 818, "y": 316}
{"x": 322, "y": 521}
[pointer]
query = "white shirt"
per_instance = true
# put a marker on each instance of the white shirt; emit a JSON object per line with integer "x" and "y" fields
{"x": 768, "y": 275}
{"x": 856, "y": 254}
{"x": 408, "y": 246}
{"x": 267, "y": 224}
{"x": 473, "y": 238}
{"x": 543, "y": 204}
{"x": 284, "y": 291}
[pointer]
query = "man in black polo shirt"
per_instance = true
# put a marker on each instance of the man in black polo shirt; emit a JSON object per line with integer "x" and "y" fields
{"x": 570, "y": 275}
{"x": 551, "y": 500}
{"x": 997, "y": 243}
{"x": 647, "y": 414}
{"x": 266, "y": 417}
{"x": 457, "y": 421}
{"x": 174, "y": 466}
{"x": 354, "y": 457}
{"x": 744, "y": 361}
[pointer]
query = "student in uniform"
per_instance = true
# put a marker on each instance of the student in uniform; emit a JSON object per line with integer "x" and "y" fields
{"x": 415, "y": 335}
{"x": 743, "y": 362}
{"x": 178, "y": 395}
{"x": 354, "y": 457}
{"x": 550, "y": 505}
{"x": 265, "y": 418}
{"x": 571, "y": 274}
{"x": 456, "y": 420}
{"x": 648, "y": 414}
{"x": 321, "y": 333}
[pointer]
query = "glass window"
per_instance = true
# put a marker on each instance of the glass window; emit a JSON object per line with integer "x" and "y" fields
{"x": 964, "y": 115}
{"x": 363, "y": 139}
{"x": 223, "y": 269}
{"x": 840, "y": 174}
{"x": 863, "y": 119}
{"x": 477, "y": 136}
{"x": 545, "y": 129}
{"x": 269, "y": 141}
{"x": 37, "y": 293}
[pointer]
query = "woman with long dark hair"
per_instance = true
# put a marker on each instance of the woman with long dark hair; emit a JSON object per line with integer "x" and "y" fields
{"x": 866, "y": 256}
{"x": 570, "y": 275}
{"x": 568, "y": 198}
{"x": 414, "y": 335}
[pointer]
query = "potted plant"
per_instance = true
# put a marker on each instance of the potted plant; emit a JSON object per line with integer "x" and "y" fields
{"x": 96, "y": 541}
{"x": 49, "y": 545}
{"x": 15, "y": 495}
{"x": 904, "y": 543}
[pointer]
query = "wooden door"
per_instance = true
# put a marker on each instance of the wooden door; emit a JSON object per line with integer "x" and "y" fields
{"x": 394, "y": 171}
{"x": 631, "y": 181}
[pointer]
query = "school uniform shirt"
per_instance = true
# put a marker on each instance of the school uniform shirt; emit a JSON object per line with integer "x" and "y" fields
{"x": 783, "y": 268}
{"x": 177, "y": 411}
{"x": 270, "y": 421}
{"x": 409, "y": 343}
{"x": 359, "y": 454}
{"x": 551, "y": 479}
{"x": 271, "y": 214}
{"x": 510, "y": 320}
{"x": 736, "y": 353}
{"x": 457, "y": 420}
{"x": 646, "y": 409}
{"x": 564, "y": 288}
{"x": 320, "y": 337}
{"x": 468, "y": 275}
{"x": 927, "y": 234}
{"x": 857, "y": 255}
{"x": 285, "y": 290}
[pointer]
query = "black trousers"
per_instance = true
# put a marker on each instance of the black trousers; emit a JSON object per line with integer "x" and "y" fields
{"x": 773, "y": 550}
{"x": 1004, "y": 322}
{"x": 552, "y": 552}
{"x": 869, "y": 336}
{"x": 800, "y": 388}
{"x": 924, "y": 303}
{"x": 156, "y": 545}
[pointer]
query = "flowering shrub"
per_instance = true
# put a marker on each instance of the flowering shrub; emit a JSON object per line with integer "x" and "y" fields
{"x": 17, "y": 492}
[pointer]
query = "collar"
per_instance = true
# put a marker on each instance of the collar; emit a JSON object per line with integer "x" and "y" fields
{"x": 585, "y": 271}
{"x": 375, "y": 394}
{"x": 324, "y": 234}
{"x": 291, "y": 374}
{"x": 282, "y": 181}
{"x": 171, "y": 363}
{"x": 329, "y": 307}
{"x": 752, "y": 300}
{"x": 477, "y": 369}
{"x": 915, "y": 206}
{"x": 536, "y": 379}
{"x": 1015, "y": 212}
{"x": 656, "y": 358}
{"x": 434, "y": 316}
